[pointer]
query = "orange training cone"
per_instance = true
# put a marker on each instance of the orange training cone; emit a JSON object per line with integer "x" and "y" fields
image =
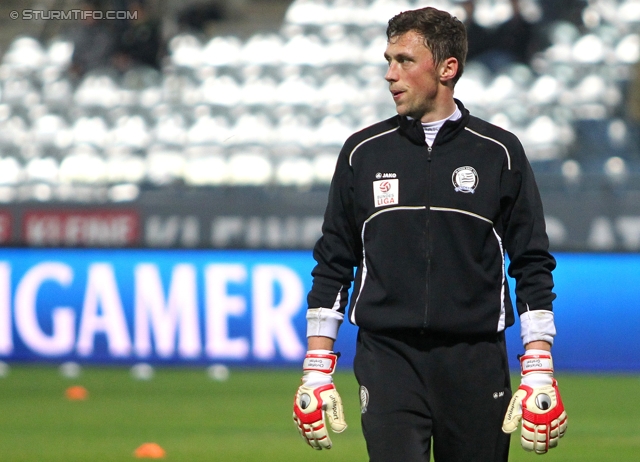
{"x": 149, "y": 451}
{"x": 76, "y": 393}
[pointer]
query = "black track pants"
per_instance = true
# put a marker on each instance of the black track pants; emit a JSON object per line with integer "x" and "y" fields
{"x": 415, "y": 388}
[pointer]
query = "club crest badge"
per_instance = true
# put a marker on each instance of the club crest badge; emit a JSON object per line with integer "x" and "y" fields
{"x": 386, "y": 192}
{"x": 364, "y": 399}
{"x": 465, "y": 179}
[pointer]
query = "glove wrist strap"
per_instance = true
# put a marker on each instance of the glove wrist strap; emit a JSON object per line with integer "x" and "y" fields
{"x": 320, "y": 361}
{"x": 536, "y": 361}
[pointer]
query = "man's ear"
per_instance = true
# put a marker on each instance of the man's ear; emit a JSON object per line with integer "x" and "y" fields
{"x": 448, "y": 69}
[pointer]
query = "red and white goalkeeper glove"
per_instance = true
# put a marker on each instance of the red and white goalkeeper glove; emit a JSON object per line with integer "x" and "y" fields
{"x": 538, "y": 404}
{"x": 318, "y": 398}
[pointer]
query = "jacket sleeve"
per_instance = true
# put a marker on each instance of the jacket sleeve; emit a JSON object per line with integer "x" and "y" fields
{"x": 527, "y": 244}
{"x": 336, "y": 253}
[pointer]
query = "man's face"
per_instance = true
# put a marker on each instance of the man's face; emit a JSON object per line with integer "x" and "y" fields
{"x": 412, "y": 75}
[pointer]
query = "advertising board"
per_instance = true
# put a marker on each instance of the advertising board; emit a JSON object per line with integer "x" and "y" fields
{"x": 247, "y": 308}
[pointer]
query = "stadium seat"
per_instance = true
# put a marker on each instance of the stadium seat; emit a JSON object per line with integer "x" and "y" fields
{"x": 258, "y": 91}
{"x": 51, "y": 131}
{"x": 164, "y": 165}
{"x": 308, "y": 12}
{"x": 186, "y": 51}
{"x": 125, "y": 192}
{"x": 296, "y": 171}
{"x": 222, "y": 91}
{"x": 59, "y": 53}
{"x": 11, "y": 172}
{"x": 128, "y": 168}
{"x": 297, "y": 90}
{"x": 304, "y": 50}
{"x": 90, "y": 130}
{"x": 98, "y": 90}
{"x": 628, "y": 12}
{"x": 42, "y": 170}
{"x": 130, "y": 131}
{"x": 252, "y": 129}
{"x": 84, "y": 168}
{"x": 294, "y": 129}
{"x": 589, "y": 49}
{"x": 324, "y": 164}
{"x": 171, "y": 130}
{"x": 20, "y": 93}
{"x": 221, "y": 51}
{"x": 13, "y": 131}
{"x": 208, "y": 130}
{"x": 209, "y": 170}
{"x": 262, "y": 49}
{"x": 617, "y": 172}
{"x": 250, "y": 168}
{"x": 627, "y": 50}
{"x": 26, "y": 54}
{"x": 332, "y": 131}
{"x": 57, "y": 93}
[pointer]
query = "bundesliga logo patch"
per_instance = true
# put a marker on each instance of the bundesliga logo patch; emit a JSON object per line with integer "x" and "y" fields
{"x": 386, "y": 192}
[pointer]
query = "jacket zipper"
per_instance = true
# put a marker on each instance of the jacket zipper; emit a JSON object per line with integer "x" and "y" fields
{"x": 428, "y": 239}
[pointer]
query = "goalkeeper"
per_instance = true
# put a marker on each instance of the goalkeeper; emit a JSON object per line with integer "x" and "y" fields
{"x": 425, "y": 206}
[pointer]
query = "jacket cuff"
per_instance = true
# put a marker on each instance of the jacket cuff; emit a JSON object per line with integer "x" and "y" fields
{"x": 537, "y": 325}
{"x": 323, "y": 322}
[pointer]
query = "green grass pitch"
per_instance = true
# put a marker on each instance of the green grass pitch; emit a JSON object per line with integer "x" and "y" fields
{"x": 248, "y": 417}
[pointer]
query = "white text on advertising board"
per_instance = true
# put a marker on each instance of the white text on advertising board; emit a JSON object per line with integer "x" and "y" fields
{"x": 149, "y": 323}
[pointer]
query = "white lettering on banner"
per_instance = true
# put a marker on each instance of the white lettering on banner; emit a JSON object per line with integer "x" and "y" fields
{"x": 219, "y": 305}
{"x": 272, "y": 232}
{"x": 102, "y": 292}
{"x": 6, "y": 340}
{"x": 81, "y": 228}
{"x": 172, "y": 230}
{"x": 160, "y": 324}
{"x": 179, "y": 313}
{"x": 225, "y": 230}
{"x": 273, "y": 323}
{"x": 61, "y": 340}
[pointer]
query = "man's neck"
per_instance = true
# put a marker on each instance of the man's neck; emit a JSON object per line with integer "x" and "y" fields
{"x": 440, "y": 111}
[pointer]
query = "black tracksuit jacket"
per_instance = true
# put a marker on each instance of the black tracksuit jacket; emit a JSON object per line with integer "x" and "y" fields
{"x": 427, "y": 230}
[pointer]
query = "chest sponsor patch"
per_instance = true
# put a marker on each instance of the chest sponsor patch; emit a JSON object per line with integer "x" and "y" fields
{"x": 386, "y": 192}
{"x": 465, "y": 179}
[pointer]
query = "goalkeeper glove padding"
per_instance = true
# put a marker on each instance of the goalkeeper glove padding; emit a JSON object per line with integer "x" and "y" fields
{"x": 538, "y": 404}
{"x": 318, "y": 398}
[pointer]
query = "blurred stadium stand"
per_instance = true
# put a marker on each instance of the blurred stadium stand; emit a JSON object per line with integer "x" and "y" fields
{"x": 231, "y": 140}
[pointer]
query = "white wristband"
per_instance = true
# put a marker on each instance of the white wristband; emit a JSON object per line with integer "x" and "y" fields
{"x": 320, "y": 361}
{"x": 536, "y": 361}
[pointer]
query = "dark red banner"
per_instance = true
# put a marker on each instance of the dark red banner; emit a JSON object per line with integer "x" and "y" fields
{"x": 81, "y": 228}
{"x": 6, "y": 223}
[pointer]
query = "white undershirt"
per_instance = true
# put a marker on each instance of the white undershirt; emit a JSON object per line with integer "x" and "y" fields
{"x": 431, "y": 129}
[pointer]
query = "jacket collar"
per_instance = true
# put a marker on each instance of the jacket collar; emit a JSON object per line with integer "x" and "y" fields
{"x": 412, "y": 128}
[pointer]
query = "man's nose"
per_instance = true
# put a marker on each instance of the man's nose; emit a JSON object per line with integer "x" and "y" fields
{"x": 392, "y": 74}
